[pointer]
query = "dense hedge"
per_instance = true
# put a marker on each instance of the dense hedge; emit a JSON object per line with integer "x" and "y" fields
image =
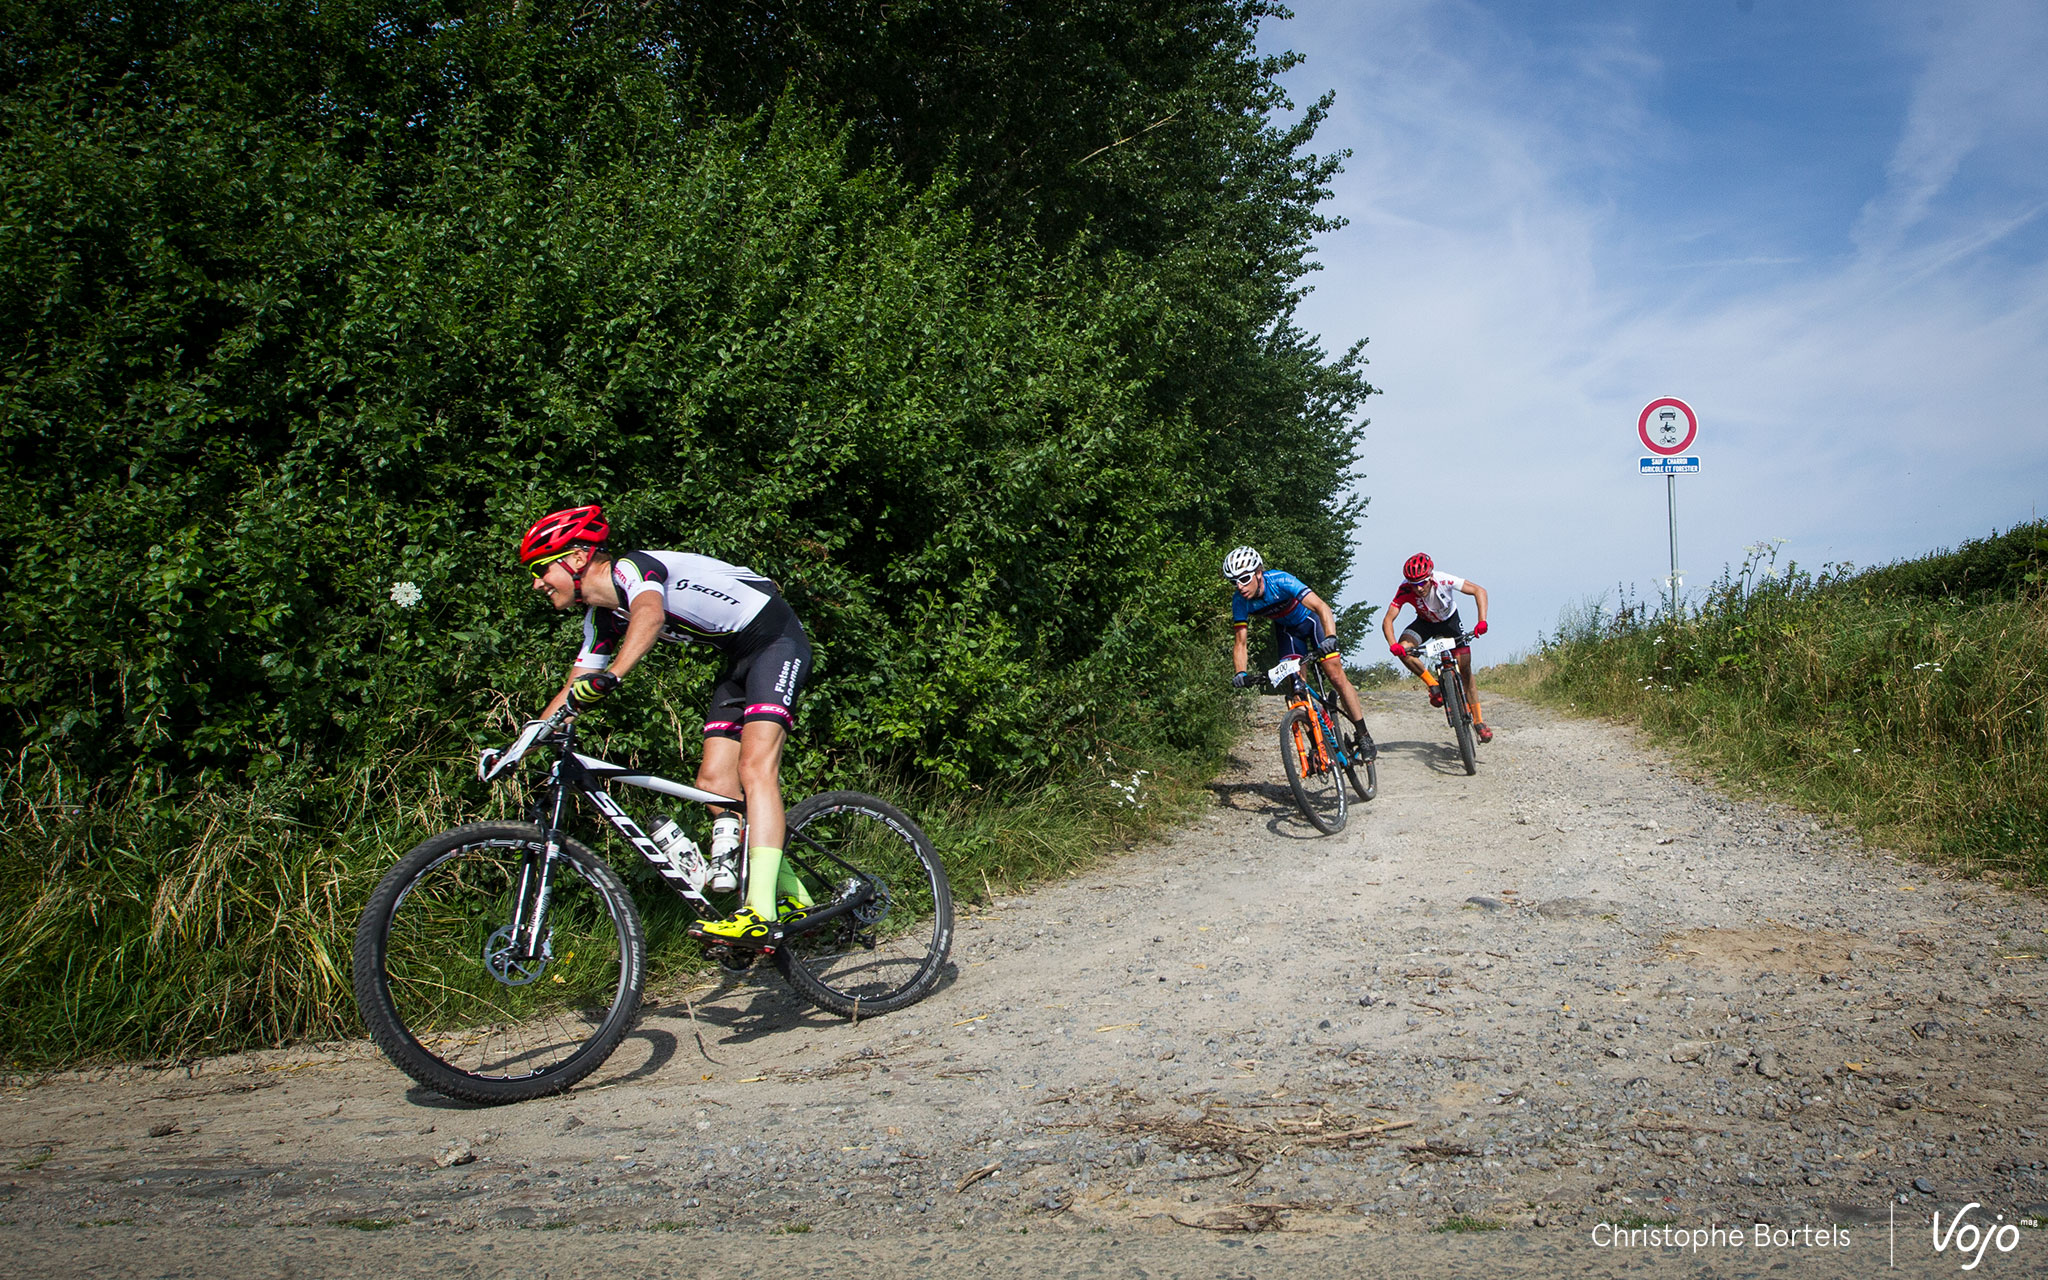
{"x": 984, "y": 358}
{"x": 2000, "y": 566}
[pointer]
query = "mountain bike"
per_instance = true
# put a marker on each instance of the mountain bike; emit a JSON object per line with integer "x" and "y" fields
{"x": 1443, "y": 653}
{"x": 503, "y": 961}
{"x": 1313, "y": 750}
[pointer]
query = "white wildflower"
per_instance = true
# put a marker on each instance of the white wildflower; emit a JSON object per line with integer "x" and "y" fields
{"x": 406, "y": 595}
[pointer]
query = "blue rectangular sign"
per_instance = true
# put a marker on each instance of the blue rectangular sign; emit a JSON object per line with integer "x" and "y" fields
{"x": 1666, "y": 466}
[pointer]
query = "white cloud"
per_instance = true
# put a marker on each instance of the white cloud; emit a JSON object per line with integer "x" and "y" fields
{"x": 1982, "y": 91}
{"x": 1869, "y": 404}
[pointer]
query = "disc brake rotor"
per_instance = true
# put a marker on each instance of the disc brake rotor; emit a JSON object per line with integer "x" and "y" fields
{"x": 505, "y": 964}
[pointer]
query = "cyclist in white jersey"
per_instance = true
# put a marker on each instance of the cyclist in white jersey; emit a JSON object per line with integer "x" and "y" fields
{"x": 633, "y": 600}
{"x": 1435, "y": 599}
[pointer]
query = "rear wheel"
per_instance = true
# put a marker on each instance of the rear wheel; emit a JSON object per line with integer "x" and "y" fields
{"x": 889, "y": 948}
{"x": 472, "y": 1010}
{"x": 1370, "y": 787}
{"x": 1312, "y": 770}
{"x": 1461, "y": 718}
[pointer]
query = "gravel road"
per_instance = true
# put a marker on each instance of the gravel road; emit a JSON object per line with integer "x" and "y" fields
{"x": 1489, "y": 1019}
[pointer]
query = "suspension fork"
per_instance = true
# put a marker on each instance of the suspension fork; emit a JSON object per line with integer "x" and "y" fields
{"x": 1300, "y": 695}
{"x": 537, "y": 875}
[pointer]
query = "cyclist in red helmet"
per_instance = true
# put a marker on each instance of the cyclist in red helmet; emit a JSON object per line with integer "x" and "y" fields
{"x": 1434, "y": 597}
{"x": 633, "y": 600}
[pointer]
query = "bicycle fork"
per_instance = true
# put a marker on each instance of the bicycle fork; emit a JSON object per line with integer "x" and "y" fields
{"x": 536, "y": 878}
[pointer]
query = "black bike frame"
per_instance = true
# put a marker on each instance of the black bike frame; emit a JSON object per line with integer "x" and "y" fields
{"x": 588, "y": 776}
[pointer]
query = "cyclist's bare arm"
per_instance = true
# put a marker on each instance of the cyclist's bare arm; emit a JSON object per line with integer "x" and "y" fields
{"x": 1322, "y": 611}
{"x": 1239, "y": 652}
{"x": 1478, "y": 593}
{"x": 642, "y": 629}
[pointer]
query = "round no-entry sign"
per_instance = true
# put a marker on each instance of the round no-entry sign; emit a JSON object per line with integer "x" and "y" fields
{"x": 1667, "y": 426}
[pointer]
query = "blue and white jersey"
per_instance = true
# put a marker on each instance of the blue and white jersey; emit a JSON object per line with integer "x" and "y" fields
{"x": 1281, "y": 601}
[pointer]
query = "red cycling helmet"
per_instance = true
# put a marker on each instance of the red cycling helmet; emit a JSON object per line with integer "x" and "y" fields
{"x": 556, "y": 535}
{"x": 1419, "y": 567}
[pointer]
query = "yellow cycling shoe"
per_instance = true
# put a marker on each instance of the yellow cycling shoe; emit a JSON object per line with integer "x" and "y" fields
{"x": 741, "y": 929}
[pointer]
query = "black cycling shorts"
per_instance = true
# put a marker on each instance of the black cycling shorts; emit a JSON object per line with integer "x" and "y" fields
{"x": 1421, "y": 629}
{"x": 766, "y": 670}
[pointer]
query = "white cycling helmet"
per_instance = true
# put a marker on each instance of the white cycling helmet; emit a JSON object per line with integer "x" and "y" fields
{"x": 1242, "y": 561}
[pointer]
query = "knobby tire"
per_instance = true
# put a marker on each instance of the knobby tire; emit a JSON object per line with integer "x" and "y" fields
{"x": 440, "y": 1010}
{"x": 1311, "y": 772}
{"x": 1371, "y": 786}
{"x": 1461, "y": 719}
{"x": 891, "y": 951}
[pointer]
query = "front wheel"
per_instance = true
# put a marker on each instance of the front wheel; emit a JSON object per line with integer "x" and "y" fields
{"x": 464, "y": 1002}
{"x": 1312, "y": 770}
{"x": 888, "y": 949}
{"x": 1460, "y": 713}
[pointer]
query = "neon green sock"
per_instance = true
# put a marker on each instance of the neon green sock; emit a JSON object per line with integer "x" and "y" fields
{"x": 764, "y": 867}
{"x": 789, "y": 884}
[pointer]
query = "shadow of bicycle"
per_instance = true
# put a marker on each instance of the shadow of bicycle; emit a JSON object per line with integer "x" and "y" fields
{"x": 1434, "y": 754}
{"x": 1273, "y": 801}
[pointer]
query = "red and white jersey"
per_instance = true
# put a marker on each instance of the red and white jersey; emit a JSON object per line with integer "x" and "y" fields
{"x": 1435, "y": 600}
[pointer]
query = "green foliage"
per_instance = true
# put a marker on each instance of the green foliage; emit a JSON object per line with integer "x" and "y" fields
{"x": 2004, "y": 566}
{"x": 312, "y": 307}
{"x": 1920, "y": 716}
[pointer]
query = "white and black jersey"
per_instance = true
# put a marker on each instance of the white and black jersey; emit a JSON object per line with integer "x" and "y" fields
{"x": 701, "y": 599}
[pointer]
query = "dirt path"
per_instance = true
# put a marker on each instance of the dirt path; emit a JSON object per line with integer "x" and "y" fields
{"x": 1575, "y": 989}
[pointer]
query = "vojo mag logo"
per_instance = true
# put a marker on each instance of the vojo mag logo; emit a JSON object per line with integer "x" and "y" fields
{"x": 1971, "y": 1238}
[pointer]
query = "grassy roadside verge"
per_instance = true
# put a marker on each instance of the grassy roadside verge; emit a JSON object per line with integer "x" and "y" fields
{"x": 132, "y": 930}
{"x": 1905, "y": 701}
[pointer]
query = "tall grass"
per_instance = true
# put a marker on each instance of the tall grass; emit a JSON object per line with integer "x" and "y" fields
{"x": 1919, "y": 716}
{"x": 136, "y": 923}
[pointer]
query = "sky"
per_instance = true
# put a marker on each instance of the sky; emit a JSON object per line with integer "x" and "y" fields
{"x": 1823, "y": 225}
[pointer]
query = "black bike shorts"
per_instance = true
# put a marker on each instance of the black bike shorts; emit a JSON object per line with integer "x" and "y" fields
{"x": 1421, "y": 629}
{"x": 764, "y": 674}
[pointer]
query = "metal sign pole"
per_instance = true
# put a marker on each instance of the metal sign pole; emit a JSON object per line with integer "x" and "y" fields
{"x": 1671, "y": 510}
{"x": 1666, "y": 440}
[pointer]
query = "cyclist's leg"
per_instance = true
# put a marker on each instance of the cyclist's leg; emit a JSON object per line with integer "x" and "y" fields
{"x": 719, "y": 771}
{"x": 1290, "y": 644}
{"x": 773, "y": 680}
{"x": 760, "y": 768}
{"x": 1347, "y": 697}
{"x": 752, "y": 716}
{"x": 1411, "y": 639}
{"x": 1472, "y": 696}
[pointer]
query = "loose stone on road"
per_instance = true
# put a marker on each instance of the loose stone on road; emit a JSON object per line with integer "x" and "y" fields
{"x": 1578, "y": 988}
